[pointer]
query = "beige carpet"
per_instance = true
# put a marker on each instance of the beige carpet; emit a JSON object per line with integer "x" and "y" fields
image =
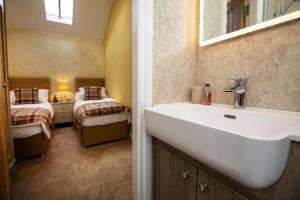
{"x": 68, "y": 171}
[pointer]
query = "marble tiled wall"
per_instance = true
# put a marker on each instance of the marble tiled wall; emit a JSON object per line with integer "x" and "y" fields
{"x": 175, "y": 49}
{"x": 269, "y": 59}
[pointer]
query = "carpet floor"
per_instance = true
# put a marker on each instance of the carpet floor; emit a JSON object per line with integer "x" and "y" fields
{"x": 68, "y": 171}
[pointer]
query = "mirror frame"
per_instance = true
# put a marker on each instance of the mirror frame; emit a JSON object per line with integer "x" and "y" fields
{"x": 244, "y": 31}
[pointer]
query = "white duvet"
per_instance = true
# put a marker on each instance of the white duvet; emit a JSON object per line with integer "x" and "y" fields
{"x": 23, "y": 131}
{"x": 104, "y": 119}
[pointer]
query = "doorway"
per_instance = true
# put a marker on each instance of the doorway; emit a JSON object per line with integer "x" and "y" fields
{"x": 235, "y": 15}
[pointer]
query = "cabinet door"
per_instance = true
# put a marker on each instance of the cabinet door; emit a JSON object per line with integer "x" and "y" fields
{"x": 174, "y": 178}
{"x": 210, "y": 189}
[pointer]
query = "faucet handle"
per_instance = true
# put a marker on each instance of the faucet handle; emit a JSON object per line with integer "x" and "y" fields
{"x": 240, "y": 81}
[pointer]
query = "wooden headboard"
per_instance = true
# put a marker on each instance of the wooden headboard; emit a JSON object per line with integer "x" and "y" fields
{"x": 41, "y": 83}
{"x": 81, "y": 82}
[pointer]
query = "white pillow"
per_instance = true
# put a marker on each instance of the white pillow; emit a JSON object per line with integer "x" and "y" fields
{"x": 79, "y": 96}
{"x": 43, "y": 95}
{"x": 81, "y": 91}
{"x": 12, "y": 97}
{"x": 103, "y": 92}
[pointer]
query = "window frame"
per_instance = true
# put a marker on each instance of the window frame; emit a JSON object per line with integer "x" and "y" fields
{"x": 59, "y": 18}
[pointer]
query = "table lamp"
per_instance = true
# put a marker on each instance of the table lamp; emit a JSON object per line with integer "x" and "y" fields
{"x": 63, "y": 88}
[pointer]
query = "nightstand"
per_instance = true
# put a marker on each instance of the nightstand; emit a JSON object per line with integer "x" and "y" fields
{"x": 63, "y": 112}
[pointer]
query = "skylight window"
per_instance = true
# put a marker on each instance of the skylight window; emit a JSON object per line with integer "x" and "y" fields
{"x": 60, "y": 11}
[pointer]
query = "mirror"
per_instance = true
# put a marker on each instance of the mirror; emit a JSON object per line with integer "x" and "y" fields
{"x": 223, "y": 19}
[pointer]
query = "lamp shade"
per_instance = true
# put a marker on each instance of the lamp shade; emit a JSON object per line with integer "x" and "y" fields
{"x": 63, "y": 87}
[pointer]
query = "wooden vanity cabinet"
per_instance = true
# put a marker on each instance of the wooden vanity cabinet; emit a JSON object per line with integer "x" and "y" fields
{"x": 177, "y": 179}
{"x": 201, "y": 182}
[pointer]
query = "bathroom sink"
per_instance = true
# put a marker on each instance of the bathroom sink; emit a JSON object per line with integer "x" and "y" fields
{"x": 250, "y": 145}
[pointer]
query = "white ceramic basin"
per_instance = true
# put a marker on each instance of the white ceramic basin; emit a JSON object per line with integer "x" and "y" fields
{"x": 252, "y": 149}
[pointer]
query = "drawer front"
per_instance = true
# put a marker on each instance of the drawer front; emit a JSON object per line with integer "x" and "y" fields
{"x": 62, "y": 108}
{"x": 63, "y": 117}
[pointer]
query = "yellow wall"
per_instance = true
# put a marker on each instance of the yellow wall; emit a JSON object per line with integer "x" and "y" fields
{"x": 58, "y": 56}
{"x": 117, "y": 52}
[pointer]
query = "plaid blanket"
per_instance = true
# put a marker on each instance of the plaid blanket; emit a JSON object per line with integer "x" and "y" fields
{"x": 25, "y": 116}
{"x": 97, "y": 109}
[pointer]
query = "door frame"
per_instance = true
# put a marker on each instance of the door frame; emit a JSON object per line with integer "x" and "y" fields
{"x": 5, "y": 184}
{"x": 142, "y": 46}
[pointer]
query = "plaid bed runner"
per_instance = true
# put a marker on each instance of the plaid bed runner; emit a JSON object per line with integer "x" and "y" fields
{"x": 97, "y": 109}
{"x": 27, "y": 95}
{"x": 23, "y": 116}
{"x": 92, "y": 93}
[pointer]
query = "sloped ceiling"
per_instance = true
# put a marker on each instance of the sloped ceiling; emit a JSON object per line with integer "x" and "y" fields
{"x": 90, "y": 17}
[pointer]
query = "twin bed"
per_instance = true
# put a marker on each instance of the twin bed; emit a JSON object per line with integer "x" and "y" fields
{"x": 99, "y": 127}
{"x": 97, "y": 121}
{"x": 30, "y": 139}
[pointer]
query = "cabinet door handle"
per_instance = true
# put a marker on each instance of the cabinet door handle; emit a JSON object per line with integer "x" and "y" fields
{"x": 203, "y": 187}
{"x": 4, "y": 85}
{"x": 185, "y": 174}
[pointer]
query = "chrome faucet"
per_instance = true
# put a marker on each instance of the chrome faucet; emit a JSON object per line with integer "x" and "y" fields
{"x": 239, "y": 91}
